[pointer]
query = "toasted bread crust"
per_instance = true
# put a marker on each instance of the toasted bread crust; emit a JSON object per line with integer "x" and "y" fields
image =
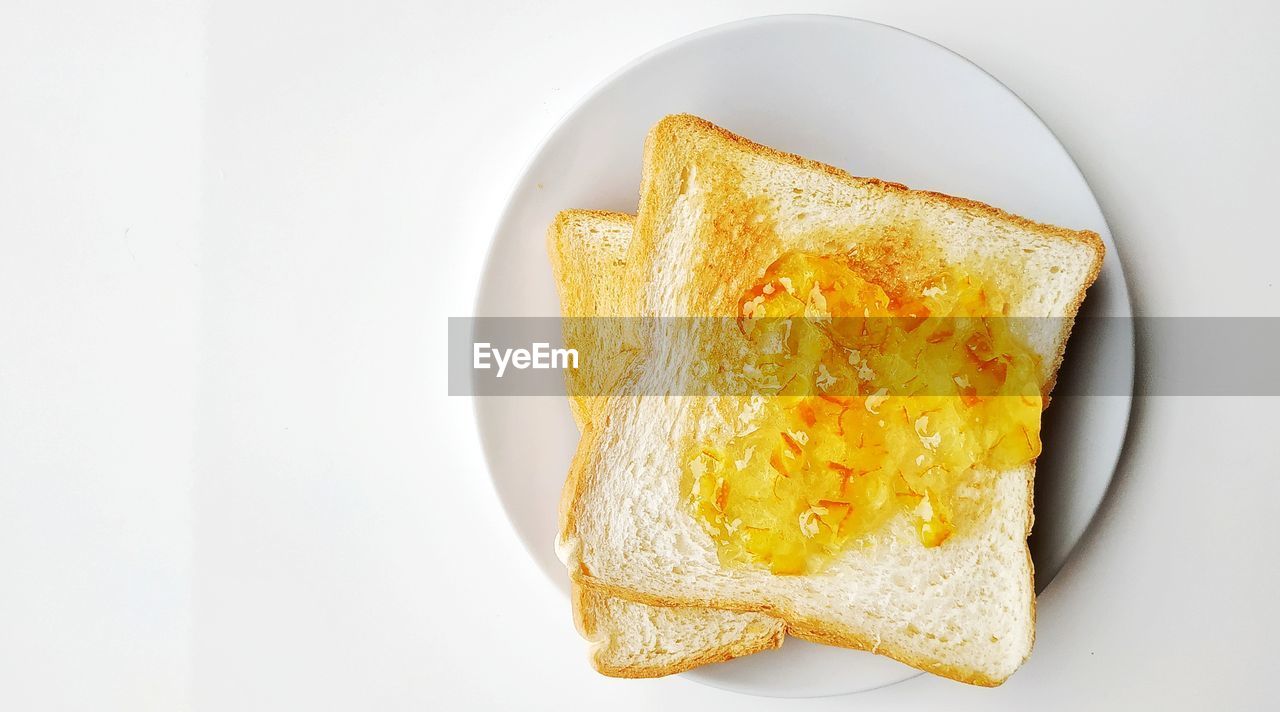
{"x": 562, "y": 241}
{"x": 667, "y": 127}
{"x": 664, "y": 137}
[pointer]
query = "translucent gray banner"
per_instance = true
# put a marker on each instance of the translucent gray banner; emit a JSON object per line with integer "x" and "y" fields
{"x": 1179, "y": 356}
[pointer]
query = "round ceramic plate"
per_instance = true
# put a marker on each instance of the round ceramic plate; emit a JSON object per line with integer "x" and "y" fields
{"x": 875, "y": 101}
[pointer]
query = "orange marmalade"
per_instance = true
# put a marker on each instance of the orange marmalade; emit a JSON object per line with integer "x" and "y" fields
{"x": 871, "y": 404}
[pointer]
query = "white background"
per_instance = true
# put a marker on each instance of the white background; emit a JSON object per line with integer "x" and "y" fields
{"x": 230, "y": 478}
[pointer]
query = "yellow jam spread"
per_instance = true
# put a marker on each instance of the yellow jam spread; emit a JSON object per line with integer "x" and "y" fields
{"x": 871, "y": 403}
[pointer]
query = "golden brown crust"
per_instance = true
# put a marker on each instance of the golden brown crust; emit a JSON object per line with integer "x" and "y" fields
{"x": 562, "y": 242}
{"x": 676, "y": 122}
{"x": 666, "y": 135}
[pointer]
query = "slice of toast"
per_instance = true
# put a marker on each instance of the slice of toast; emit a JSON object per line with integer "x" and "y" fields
{"x": 715, "y": 211}
{"x": 630, "y": 639}
{"x": 588, "y": 256}
{"x": 588, "y": 253}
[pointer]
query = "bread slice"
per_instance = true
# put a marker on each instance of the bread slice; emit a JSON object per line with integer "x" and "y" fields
{"x": 715, "y": 210}
{"x": 588, "y": 257}
{"x": 588, "y": 253}
{"x": 629, "y": 639}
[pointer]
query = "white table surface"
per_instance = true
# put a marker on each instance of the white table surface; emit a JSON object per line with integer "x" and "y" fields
{"x": 231, "y": 478}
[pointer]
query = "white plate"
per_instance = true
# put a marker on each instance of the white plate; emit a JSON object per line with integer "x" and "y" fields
{"x": 876, "y": 101}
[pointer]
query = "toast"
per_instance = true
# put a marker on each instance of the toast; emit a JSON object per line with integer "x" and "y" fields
{"x": 636, "y": 640}
{"x": 588, "y": 257}
{"x": 716, "y": 213}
